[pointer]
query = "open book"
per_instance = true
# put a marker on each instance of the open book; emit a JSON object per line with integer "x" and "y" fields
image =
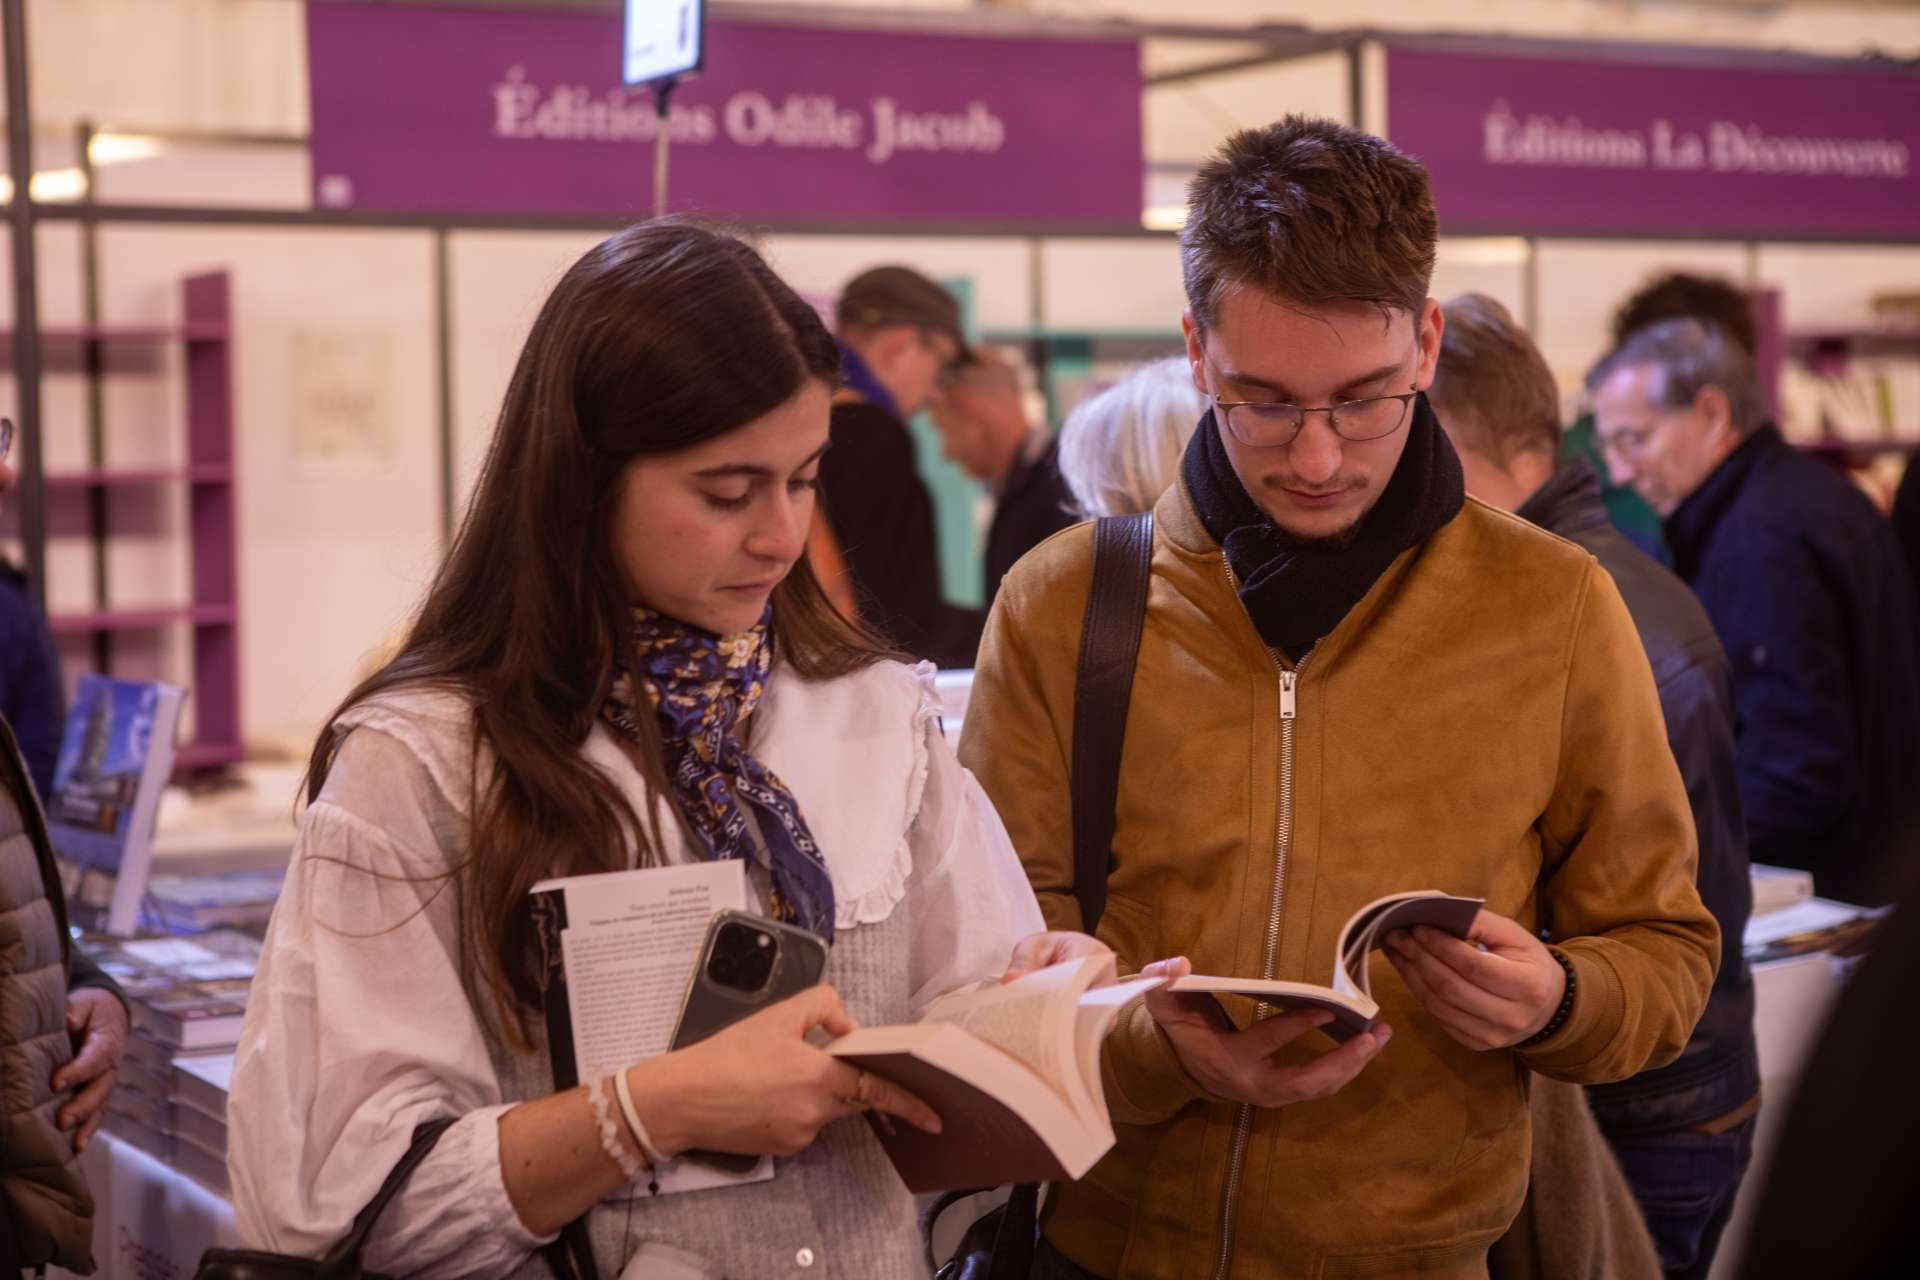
{"x": 1350, "y": 998}
{"x": 1012, "y": 1071}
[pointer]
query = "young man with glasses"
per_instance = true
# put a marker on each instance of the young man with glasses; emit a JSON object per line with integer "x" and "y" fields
{"x": 32, "y": 697}
{"x": 1352, "y": 682}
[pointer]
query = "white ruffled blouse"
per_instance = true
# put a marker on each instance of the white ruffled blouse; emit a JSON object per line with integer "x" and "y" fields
{"x": 359, "y": 1027}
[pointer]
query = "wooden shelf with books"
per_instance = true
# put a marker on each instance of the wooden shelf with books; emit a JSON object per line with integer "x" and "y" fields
{"x": 1859, "y": 448}
{"x": 203, "y": 466}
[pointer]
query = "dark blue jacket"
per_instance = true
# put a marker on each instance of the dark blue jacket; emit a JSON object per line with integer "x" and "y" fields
{"x": 1719, "y": 1069}
{"x": 32, "y": 698}
{"x": 1815, "y": 605}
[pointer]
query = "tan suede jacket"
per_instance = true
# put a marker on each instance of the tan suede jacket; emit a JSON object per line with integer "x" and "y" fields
{"x": 1483, "y": 722}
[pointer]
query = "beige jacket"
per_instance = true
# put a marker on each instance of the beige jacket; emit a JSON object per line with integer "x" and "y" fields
{"x": 1483, "y": 722}
{"x": 44, "y": 1203}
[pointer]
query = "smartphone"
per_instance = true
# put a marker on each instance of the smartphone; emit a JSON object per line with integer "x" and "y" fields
{"x": 746, "y": 964}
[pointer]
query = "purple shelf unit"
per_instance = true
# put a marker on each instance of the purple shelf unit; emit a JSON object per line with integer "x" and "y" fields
{"x": 213, "y": 612}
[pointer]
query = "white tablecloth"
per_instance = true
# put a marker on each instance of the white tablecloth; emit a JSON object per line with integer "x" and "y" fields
{"x": 151, "y": 1222}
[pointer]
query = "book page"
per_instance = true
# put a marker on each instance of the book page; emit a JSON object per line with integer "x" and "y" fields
{"x": 1353, "y": 1012}
{"x": 1367, "y": 931}
{"x": 631, "y": 942}
{"x": 1093, "y": 1019}
{"x": 1030, "y": 1018}
{"x": 630, "y": 945}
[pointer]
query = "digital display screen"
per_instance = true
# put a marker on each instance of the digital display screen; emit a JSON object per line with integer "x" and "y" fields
{"x": 663, "y": 38}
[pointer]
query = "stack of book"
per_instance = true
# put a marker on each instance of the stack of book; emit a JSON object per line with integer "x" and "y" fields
{"x": 179, "y": 903}
{"x": 188, "y": 998}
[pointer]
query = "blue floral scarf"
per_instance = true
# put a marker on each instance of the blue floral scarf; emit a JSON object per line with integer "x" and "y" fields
{"x": 701, "y": 685}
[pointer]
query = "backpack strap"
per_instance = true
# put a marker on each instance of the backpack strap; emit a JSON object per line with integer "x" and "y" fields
{"x": 1103, "y": 686}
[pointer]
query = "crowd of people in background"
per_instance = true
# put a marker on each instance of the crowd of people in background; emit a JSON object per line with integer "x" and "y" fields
{"x": 1589, "y": 673}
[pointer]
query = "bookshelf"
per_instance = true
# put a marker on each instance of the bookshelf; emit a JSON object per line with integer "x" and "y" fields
{"x": 1861, "y": 389}
{"x": 211, "y": 613}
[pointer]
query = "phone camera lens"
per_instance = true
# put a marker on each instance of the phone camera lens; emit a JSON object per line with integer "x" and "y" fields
{"x": 743, "y": 958}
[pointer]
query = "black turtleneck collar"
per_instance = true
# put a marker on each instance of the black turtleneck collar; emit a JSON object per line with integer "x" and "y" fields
{"x": 1295, "y": 592}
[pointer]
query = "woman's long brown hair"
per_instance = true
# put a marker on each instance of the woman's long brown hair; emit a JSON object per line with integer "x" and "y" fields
{"x": 660, "y": 337}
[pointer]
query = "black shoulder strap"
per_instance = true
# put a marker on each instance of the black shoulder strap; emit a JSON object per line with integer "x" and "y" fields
{"x": 1103, "y": 686}
{"x": 343, "y": 1260}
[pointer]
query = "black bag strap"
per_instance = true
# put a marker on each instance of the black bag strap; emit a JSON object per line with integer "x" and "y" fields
{"x": 342, "y": 1262}
{"x": 1103, "y": 687}
{"x": 570, "y": 1256}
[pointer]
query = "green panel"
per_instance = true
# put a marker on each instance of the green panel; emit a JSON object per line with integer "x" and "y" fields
{"x": 954, "y": 494}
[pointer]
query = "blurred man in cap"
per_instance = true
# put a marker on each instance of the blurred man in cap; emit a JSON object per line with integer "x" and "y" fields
{"x": 873, "y": 542}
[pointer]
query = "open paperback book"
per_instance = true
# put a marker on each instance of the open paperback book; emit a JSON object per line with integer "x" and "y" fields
{"x": 1013, "y": 1072}
{"x": 1350, "y": 998}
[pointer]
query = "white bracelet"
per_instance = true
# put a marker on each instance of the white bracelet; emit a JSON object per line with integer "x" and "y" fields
{"x": 625, "y": 1093}
{"x": 609, "y": 1136}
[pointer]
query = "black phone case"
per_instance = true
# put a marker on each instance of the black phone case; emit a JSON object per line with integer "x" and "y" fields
{"x": 709, "y": 1007}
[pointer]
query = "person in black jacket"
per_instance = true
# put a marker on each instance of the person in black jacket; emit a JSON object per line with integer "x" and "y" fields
{"x": 1811, "y": 596}
{"x": 985, "y": 432}
{"x": 873, "y": 543}
{"x": 1683, "y": 1134}
{"x": 1837, "y": 1198}
{"x": 1906, "y": 516}
{"x": 32, "y": 697}
{"x": 37, "y": 1191}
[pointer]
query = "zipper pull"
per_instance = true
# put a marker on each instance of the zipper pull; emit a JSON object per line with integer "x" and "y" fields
{"x": 1287, "y": 680}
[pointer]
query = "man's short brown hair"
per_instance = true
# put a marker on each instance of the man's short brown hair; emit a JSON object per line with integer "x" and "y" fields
{"x": 1492, "y": 388}
{"x": 1311, "y": 212}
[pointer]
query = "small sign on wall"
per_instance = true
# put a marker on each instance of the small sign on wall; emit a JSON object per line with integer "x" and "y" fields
{"x": 342, "y": 383}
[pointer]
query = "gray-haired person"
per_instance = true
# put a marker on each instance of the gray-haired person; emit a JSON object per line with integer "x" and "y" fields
{"x": 1809, "y": 592}
{"x": 1120, "y": 447}
{"x": 1683, "y": 1133}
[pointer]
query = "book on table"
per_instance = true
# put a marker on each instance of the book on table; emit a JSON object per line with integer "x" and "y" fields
{"x": 191, "y": 903}
{"x": 183, "y": 993}
{"x": 116, "y": 754}
{"x": 1350, "y": 998}
{"x": 1013, "y": 1072}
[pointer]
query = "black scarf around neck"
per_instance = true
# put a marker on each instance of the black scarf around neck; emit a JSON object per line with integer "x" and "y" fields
{"x": 1295, "y": 592}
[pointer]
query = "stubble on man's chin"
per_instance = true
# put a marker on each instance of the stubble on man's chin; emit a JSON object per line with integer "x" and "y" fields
{"x": 1291, "y": 540}
{"x": 1337, "y": 541}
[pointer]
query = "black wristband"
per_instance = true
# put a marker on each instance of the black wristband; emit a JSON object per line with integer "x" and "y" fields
{"x": 1564, "y": 1011}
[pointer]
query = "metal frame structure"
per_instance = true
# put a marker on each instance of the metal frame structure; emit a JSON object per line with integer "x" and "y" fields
{"x": 1283, "y": 43}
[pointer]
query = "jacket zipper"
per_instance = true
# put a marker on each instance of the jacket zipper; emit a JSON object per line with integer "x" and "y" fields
{"x": 1282, "y": 848}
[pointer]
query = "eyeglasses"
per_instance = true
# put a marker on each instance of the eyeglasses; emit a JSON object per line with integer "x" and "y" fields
{"x": 6, "y": 438}
{"x": 1630, "y": 443}
{"x": 1273, "y": 424}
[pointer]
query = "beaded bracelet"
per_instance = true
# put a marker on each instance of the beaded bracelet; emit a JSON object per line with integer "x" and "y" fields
{"x": 624, "y": 1092}
{"x": 1563, "y": 1012}
{"x": 609, "y": 1136}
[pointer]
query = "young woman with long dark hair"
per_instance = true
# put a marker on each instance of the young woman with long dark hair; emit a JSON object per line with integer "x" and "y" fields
{"x": 625, "y": 660}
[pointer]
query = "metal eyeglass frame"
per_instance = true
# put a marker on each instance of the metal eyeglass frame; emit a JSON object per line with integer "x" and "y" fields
{"x": 1333, "y": 411}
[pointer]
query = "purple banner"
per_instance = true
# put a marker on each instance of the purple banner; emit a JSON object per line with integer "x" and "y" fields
{"x": 1542, "y": 145}
{"x": 453, "y": 109}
